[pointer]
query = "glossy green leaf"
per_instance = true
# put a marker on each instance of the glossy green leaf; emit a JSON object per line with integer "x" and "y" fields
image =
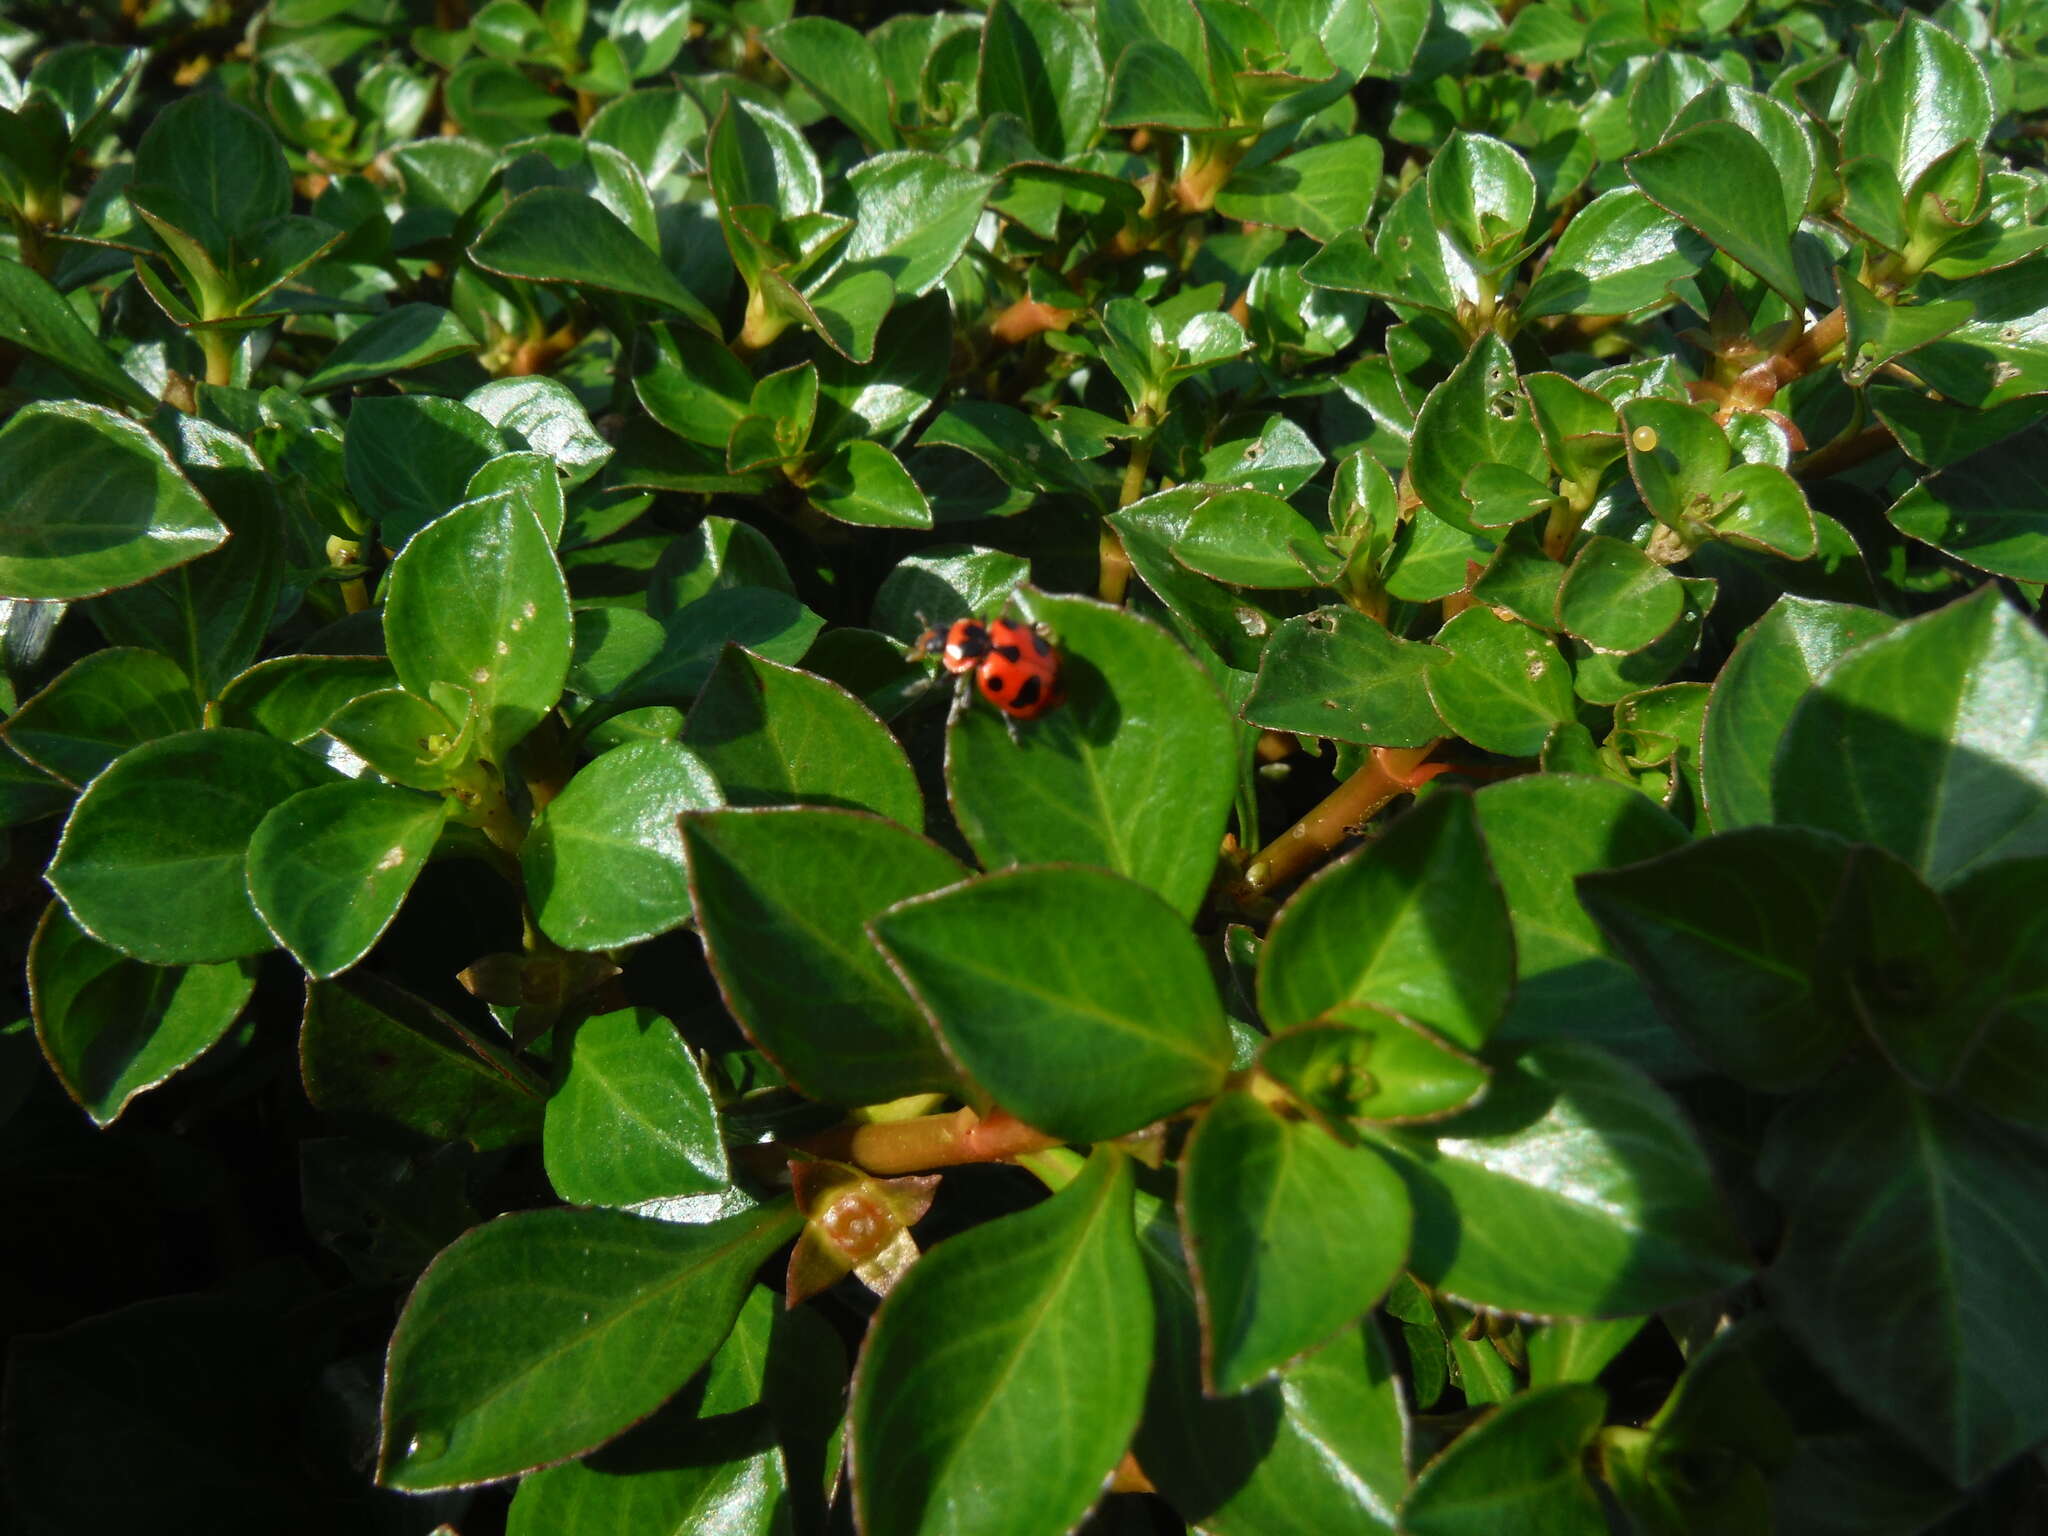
{"x": 1776, "y": 662}
{"x": 1505, "y": 685}
{"x": 913, "y": 214}
{"x": 1927, "y": 95}
{"x": 545, "y": 1333}
{"x": 98, "y": 708}
{"x": 1722, "y": 182}
{"x": 554, "y": 235}
{"x": 1322, "y": 190}
{"x": 1917, "y": 742}
{"x": 1339, "y": 674}
{"x": 1482, "y": 194}
{"x": 1132, "y": 773}
{"x": 89, "y": 501}
{"x": 35, "y": 317}
{"x": 632, "y": 1118}
{"x": 151, "y": 860}
{"x": 477, "y": 600}
{"x": 782, "y": 900}
{"x": 1620, "y": 254}
{"x": 1361, "y": 1063}
{"x": 292, "y": 697}
{"x": 219, "y": 159}
{"x": 1039, "y": 64}
{"x": 1542, "y": 830}
{"x": 1617, "y": 598}
{"x": 964, "y": 1415}
{"x": 1522, "y": 1468}
{"x": 773, "y": 735}
{"x": 112, "y": 1027}
{"x": 1156, "y": 87}
{"x": 1574, "y": 1156}
{"x": 410, "y": 458}
{"x": 1726, "y": 933}
{"x": 1989, "y": 509}
{"x": 1414, "y": 922}
{"x": 1249, "y": 538}
{"x": 839, "y": 67}
{"x": 1478, "y": 416}
{"x": 756, "y": 158}
{"x": 604, "y": 861}
{"x": 329, "y": 867}
{"x": 406, "y": 739}
{"x": 545, "y": 416}
{"x": 1073, "y": 998}
{"x": 375, "y": 1058}
{"x": 409, "y": 336}
{"x": 1910, "y": 1235}
{"x": 767, "y": 621}
{"x": 1294, "y": 1235}
{"x": 865, "y": 484}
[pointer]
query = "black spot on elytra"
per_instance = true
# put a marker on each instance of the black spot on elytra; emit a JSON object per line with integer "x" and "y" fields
{"x": 1028, "y": 694}
{"x": 1038, "y": 644}
{"x": 1010, "y": 652}
{"x": 992, "y": 682}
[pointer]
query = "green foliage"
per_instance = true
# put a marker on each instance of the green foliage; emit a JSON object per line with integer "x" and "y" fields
{"x": 485, "y": 493}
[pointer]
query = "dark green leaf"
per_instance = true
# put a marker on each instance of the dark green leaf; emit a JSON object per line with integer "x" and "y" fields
{"x": 1927, "y": 95}
{"x": 35, "y": 317}
{"x": 1073, "y": 998}
{"x": 1618, "y": 255}
{"x": 632, "y": 1118}
{"x": 1039, "y": 64}
{"x": 1505, "y": 685}
{"x": 151, "y": 860}
{"x": 545, "y": 1333}
{"x": 1339, "y": 674}
{"x": 1720, "y": 180}
{"x": 1321, "y": 191}
{"x": 410, "y": 336}
{"x": 112, "y": 1027}
{"x": 89, "y": 501}
{"x": 913, "y": 214}
{"x": 604, "y": 861}
{"x": 219, "y": 159}
{"x": 1523, "y": 1468}
{"x": 865, "y": 484}
{"x": 1294, "y": 1236}
{"x": 1478, "y": 416}
{"x": 838, "y": 66}
{"x": 98, "y": 708}
{"x": 965, "y": 1419}
{"x": 555, "y": 235}
{"x": 782, "y": 899}
{"x": 1990, "y": 509}
{"x": 1616, "y": 598}
{"x": 410, "y": 458}
{"x": 1414, "y": 922}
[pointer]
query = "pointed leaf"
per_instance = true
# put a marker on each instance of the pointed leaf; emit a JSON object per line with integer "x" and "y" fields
{"x": 632, "y": 1119}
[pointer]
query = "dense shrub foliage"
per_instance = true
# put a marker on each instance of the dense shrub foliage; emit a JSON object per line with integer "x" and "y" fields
{"x": 1495, "y": 979}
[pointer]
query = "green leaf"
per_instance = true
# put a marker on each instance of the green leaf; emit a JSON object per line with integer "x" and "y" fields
{"x": 1073, "y": 998}
{"x": 1414, "y": 922}
{"x": 604, "y": 861}
{"x": 1478, "y": 416}
{"x": 1762, "y": 507}
{"x": 292, "y": 697}
{"x": 1323, "y": 1448}
{"x": 964, "y": 1417}
{"x": 409, "y": 458}
{"x": 89, "y": 501}
{"x": 1542, "y": 830}
{"x": 555, "y": 235}
{"x": 35, "y": 317}
{"x": 839, "y": 67}
{"x": 1249, "y": 538}
{"x": 476, "y": 600}
{"x": 1481, "y": 193}
{"x": 1322, "y": 190}
{"x": 1521, "y": 1468}
{"x": 1156, "y": 87}
{"x": 773, "y": 735}
{"x": 1505, "y": 685}
{"x": 1911, "y": 742}
{"x": 1909, "y": 1245}
{"x": 544, "y": 1333}
{"x": 1339, "y": 674}
{"x": 768, "y": 622}
{"x": 632, "y": 1118}
{"x": 1881, "y": 330}
{"x": 1578, "y": 1349}
{"x": 1927, "y": 95}
{"x": 913, "y": 215}
{"x": 1777, "y": 660}
{"x": 1373, "y": 1066}
{"x": 865, "y": 484}
{"x": 1721, "y": 181}
{"x": 217, "y": 158}
{"x": 755, "y": 157}
{"x": 1989, "y": 510}
{"x": 782, "y": 898}
{"x": 410, "y": 336}
{"x": 151, "y": 860}
{"x": 377, "y": 1059}
{"x": 406, "y": 739}
{"x": 329, "y": 868}
{"x": 98, "y": 708}
{"x": 1279, "y": 1270}
{"x": 707, "y": 1461}
{"x": 1574, "y": 1156}
{"x": 1039, "y": 64}
{"x": 1727, "y": 934}
{"x": 1620, "y": 254}
{"x": 1617, "y": 598}
{"x": 545, "y": 416}
{"x": 1134, "y": 772}
{"x": 112, "y": 1027}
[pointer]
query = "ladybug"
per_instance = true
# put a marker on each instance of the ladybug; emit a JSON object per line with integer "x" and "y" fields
{"x": 1013, "y": 664}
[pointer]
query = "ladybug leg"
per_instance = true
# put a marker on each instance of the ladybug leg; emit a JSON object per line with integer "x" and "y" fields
{"x": 1016, "y": 736}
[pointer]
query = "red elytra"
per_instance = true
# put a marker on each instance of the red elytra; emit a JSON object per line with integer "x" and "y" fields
{"x": 1013, "y": 664}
